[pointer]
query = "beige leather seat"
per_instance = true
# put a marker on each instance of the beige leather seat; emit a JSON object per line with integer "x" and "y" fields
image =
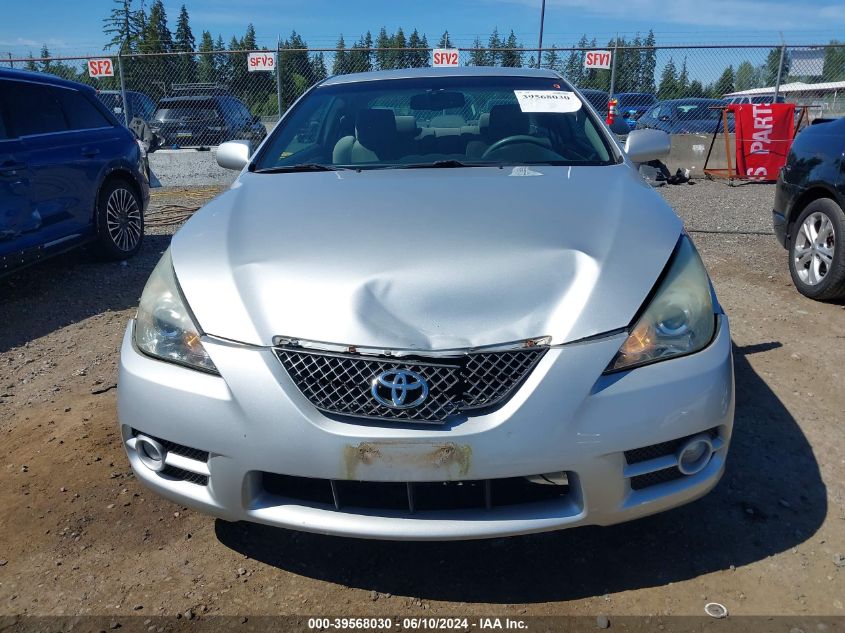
{"x": 375, "y": 139}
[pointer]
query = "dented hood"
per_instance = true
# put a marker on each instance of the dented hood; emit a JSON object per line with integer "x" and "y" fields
{"x": 426, "y": 259}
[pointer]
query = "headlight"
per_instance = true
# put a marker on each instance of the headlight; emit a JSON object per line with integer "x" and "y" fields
{"x": 678, "y": 321}
{"x": 164, "y": 327}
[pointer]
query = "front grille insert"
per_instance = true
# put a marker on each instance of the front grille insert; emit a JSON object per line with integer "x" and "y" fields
{"x": 413, "y": 496}
{"x": 658, "y": 477}
{"x": 179, "y": 449}
{"x": 340, "y": 383}
{"x": 174, "y": 472}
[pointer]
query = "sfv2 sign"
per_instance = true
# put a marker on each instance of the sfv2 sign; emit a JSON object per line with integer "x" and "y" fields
{"x": 100, "y": 68}
{"x": 261, "y": 61}
{"x": 597, "y": 59}
{"x": 444, "y": 57}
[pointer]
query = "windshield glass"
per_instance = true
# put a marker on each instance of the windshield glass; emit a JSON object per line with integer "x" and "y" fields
{"x": 699, "y": 111}
{"x": 453, "y": 121}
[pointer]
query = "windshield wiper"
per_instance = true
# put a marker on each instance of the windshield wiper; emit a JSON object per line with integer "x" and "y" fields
{"x": 440, "y": 164}
{"x": 283, "y": 169}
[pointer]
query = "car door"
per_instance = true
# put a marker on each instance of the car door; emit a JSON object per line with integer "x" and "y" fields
{"x": 18, "y": 225}
{"x": 63, "y": 141}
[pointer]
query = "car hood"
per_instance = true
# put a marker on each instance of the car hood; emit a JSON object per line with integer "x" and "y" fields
{"x": 426, "y": 259}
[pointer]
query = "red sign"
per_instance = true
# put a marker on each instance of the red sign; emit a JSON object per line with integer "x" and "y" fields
{"x": 100, "y": 68}
{"x": 764, "y": 133}
{"x": 444, "y": 57}
{"x": 597, "y": 59}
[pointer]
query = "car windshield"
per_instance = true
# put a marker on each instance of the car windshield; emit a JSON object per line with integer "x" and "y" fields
{"x": 437, "y": 122}
{"x": 186, "y": 110}
{"x": 699, "y": 111}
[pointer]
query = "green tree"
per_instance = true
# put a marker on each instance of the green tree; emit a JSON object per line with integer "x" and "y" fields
{"x": 445, "y": 41}
{"x": 494, "y": 56}
{"x": 30, "y": 64}
{"x": 668, "y": 88}
{"x": 296, "y": 70}
{"x": 383, "y": 44}
{"x": 361, "y": 54}
{"x": 123, "y": 26}
{"x": 418, "y": 58}
{"x": 834, "y": 62}
{"x": 398, "y": 55}
{"x": 478, "y": 56}
{"x": 318, "y": 67}
{"x": 183, "y": 42}
{"x": 725, "y": 84}
{"x": 648, "y": 65}
{"x": 683, "y": 80}
{"x": 745, "y": 76}
{"x": 695, "y": 89}
{"x": 512, "y": 57}
{"x": 551, "y": 59}
{"x": 206, "y": 67}
{"x": 341, "y": 58}
{"x": 573, "y": 69}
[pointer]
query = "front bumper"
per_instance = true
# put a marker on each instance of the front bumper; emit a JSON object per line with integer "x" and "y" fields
{"x": 253, "y": 423}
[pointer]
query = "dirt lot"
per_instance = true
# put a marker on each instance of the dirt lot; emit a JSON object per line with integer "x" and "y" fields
{"x": 78, "y": 535}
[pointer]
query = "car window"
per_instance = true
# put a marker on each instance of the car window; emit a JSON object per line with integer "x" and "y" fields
{"x": 32, "y": 109}
{"x": 698, "y": 112}
{"x": 146, "y": 107}
{"x": 81, "y": 114}
{"x": 398, "y": 122}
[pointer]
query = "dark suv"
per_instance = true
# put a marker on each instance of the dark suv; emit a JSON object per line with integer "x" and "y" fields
{"x": 205, "y": 120}
{"x": 140, "y": 105}
{"x": 69, "y": 172}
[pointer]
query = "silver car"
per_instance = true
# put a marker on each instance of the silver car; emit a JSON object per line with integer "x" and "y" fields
{"x": 435, "y": 304}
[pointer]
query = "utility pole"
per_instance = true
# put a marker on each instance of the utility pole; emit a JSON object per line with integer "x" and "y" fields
{"x": 279, "y": 74}
{"x": 780, "y": 67}
{"x": 540, "y": 43}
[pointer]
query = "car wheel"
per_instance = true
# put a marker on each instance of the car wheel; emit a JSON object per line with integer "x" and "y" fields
{"x": 816, "y": 251}
{"x": 120, "y": 220}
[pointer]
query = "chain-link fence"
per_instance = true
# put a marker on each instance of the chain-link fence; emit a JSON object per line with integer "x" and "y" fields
{"x": 203, "y": 98}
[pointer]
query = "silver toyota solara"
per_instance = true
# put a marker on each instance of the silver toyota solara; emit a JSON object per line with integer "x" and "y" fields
{"x": 435, "y": 304}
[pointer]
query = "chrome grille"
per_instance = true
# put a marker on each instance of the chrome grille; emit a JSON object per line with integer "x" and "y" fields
{"x": 340, "y": 382}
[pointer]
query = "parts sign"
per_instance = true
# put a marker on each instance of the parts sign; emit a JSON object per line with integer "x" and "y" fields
{"x": 100, "y": 68}
{"x": 444, "y": 57}
{"x": 597, "y": 59}
{"x": 261, "y": 61}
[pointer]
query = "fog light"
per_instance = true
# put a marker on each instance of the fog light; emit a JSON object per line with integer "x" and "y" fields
{"x": 695, "y": 454}
{"x": 150, "y": 452}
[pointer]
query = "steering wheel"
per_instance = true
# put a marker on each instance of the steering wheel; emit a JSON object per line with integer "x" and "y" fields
{"x": 513, "y": 140}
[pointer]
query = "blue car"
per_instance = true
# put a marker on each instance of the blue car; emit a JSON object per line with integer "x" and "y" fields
{"x": 685, "y": 116}
{"x": 632, "y": 105}
{"x": 70, "y": 173}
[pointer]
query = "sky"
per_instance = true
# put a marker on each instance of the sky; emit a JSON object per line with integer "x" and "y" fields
{"x": 75, "y": 28}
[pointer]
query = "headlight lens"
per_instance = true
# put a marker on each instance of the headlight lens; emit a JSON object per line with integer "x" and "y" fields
{"x": 679, "y": 320}
{"x": 163, "y": 327}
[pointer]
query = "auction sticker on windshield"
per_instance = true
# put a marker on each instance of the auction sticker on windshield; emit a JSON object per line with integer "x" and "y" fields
{"x": 547, "y": 101}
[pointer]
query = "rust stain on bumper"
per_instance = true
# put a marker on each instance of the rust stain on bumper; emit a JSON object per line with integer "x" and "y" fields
{"x": 454, "y": 460}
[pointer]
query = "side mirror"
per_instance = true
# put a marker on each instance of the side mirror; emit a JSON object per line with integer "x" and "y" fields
{"x": 645, "y": 145}
{"x": 234, "y": 154}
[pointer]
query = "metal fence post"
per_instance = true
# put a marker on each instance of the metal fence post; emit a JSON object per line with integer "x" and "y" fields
{"x": 279, "y": 75}
{"x": 123, "y": 89}
{"x": 613, "y": 67}
{"x": 780, "y": 72}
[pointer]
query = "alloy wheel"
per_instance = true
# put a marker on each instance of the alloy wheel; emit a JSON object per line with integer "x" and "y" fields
{"x": 815, "y": 244}
{"x": 123, "y": 219}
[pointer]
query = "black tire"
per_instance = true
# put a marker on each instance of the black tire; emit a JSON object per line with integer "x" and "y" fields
{"x": 120, "y": 227}
{"x": 815, "y": 277}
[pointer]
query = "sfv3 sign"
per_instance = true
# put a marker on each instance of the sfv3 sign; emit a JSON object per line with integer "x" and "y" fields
{"x": 597, "y": 59}
{"x": 261, "y": 61}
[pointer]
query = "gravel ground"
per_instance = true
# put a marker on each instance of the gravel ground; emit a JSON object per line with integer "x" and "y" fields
{"x": 79, "y": 535}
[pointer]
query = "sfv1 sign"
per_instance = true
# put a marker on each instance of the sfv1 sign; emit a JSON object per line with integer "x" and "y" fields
{"x": 597, "y": 59}
{"x": 444, "y": 57}
{"x": 261, "y": 61}
{"x": 100, "y": 68}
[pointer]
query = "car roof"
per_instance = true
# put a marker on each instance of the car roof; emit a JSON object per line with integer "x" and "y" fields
{"x": 691, "y": 100}
{"x": 460, "y": 71}
{"x": 43, "y": 78}
{"x": 192, "y": 98}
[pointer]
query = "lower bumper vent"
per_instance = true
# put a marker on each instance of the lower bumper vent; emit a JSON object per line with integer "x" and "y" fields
{"x": 414, "y": 496}
{"x": 181, "y": 463}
